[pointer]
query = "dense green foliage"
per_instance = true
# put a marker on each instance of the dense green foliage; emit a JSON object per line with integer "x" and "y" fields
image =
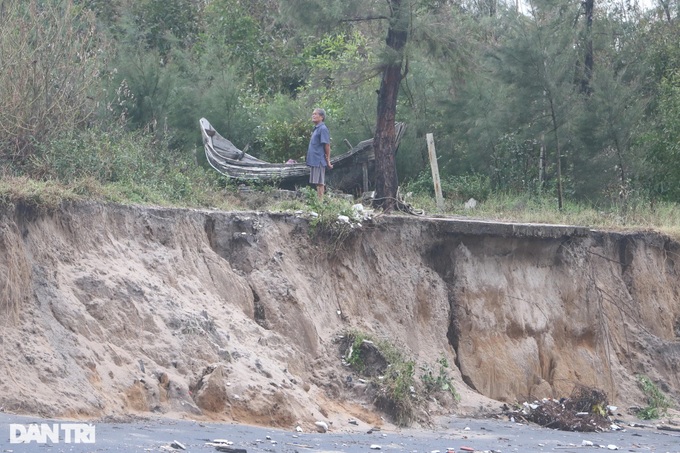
{"x": 111, "y": 91}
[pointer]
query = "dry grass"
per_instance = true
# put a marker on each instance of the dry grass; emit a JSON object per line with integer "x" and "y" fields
{"x": 47, "y": 196}
{"x": 50, "y": 59}
{"x": 663, "y": 217}
{"x": 635, "y": 216}
{"x": 41, "y": 195}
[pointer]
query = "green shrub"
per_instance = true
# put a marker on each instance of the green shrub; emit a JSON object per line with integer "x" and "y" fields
{"x": 439, "y": 382}
{"x": 657, "y": 402}
{"x": 354, "y": 357}
{"x": 127, "y": 167}
{"x": 459, "y": 188}
{"x": 280, "y": 140}
{"x": 396, "y": 390}
{"x": 324, "y": 223}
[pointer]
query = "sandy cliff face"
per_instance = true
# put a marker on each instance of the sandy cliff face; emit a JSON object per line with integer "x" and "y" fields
{"x": 110, "y": 310}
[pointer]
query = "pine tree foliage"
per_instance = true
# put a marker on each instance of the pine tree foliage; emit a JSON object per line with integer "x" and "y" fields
{"x": 567, "y": 98}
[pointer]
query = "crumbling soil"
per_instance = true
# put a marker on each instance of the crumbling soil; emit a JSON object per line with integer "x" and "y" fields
{"x": 119, "y": 311}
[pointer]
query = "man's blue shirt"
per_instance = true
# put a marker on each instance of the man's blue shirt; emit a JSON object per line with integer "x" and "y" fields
{"x": 316, "y": 156}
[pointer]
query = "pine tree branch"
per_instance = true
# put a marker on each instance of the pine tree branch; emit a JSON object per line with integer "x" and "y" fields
{"x": 364, "y": 19}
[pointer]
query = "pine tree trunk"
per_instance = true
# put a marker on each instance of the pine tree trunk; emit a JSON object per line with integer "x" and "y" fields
{"x": 589, "y": 6}
{"x": 386, "y": 181}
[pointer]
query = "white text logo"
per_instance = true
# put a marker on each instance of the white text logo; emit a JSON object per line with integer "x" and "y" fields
{"x": 67, "y": 433}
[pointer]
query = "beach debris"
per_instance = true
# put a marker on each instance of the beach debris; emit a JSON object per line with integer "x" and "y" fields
{"x": 321, "y": 427}
{"x": 586, "y": 410}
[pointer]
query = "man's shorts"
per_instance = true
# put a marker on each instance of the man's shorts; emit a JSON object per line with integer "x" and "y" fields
{"x": 317, "y": 175}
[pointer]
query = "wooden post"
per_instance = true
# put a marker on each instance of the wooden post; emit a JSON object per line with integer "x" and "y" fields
{"x": 364, "y": 171}
{"x": 435, "y": 172}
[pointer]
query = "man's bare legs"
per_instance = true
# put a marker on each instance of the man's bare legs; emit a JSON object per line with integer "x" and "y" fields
{"x": 319, "y": 191}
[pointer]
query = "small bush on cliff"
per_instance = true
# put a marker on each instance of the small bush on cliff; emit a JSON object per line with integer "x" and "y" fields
{"x": 325, "y": 223}
{"x": 439, "y": 382}
{"x": 657, "y": 402}
{"x": 393, "y": 376}
{"x": 354, "y": 356}
{"x": 397, "y": 394}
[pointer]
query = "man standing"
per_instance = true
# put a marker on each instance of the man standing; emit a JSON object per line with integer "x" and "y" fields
{"x": 319, "y": 152}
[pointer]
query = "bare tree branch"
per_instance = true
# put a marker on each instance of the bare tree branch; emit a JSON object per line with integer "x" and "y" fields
{"x": 364, "y": 19}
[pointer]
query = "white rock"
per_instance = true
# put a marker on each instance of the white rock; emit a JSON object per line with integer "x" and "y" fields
{"x": 471, "y": 204}
{"x": 343, "y": 219}
{"x": 586, "y": 443}
{"x": 375, "y": 447}
{"x": 298, "y": 429}
{"x": 177, "y": 445}
{"x": 322, "y": 427}
{"x": 612, "y": 447}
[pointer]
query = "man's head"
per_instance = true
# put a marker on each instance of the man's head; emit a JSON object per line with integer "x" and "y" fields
{"x": 318, "y": 115}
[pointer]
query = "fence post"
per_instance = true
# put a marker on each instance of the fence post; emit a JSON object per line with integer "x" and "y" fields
{"x": 435, "y": 172}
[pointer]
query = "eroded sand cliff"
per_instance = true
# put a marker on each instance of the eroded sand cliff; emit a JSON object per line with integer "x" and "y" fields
{"x": 114, "y": 310}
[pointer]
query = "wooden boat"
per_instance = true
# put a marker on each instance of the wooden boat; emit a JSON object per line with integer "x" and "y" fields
{"x": 350, "y": 171}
